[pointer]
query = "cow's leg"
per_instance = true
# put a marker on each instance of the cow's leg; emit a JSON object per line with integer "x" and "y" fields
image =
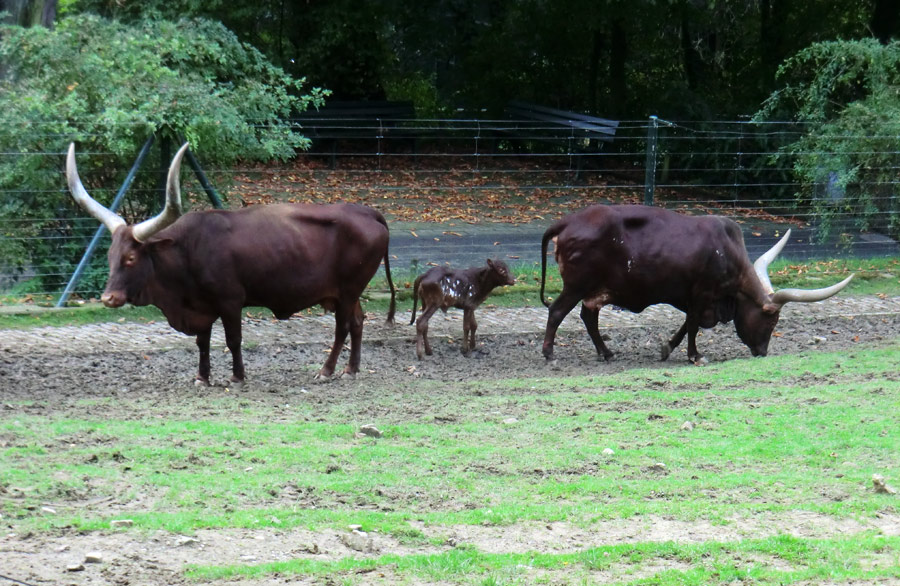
{"x": 591, "y": 319}
{"x": 203, "y": 345}
{"x": 666, "y": 348}
{"x": 341, "y": 328}
{"x": 423, "y": 346}
{"x": 692, "y": 323}
{"x": 469, "y": 327}
{"x": 355, "y": 321}
{"x": 559, "y": 309}
{"x": 232, "y": 325}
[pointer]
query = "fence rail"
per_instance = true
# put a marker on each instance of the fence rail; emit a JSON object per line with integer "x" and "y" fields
{"x": 464, "y": 173}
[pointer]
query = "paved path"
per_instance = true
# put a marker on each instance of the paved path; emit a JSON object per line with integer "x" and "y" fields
{"x": 414, "y": 245}
{"x": 319, "y": 328}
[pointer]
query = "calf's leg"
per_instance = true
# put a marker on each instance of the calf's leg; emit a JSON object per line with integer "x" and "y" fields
{"x": 423, "y": 346}
{"x": 469, "y": 327}
{"x": 591, "y": 319}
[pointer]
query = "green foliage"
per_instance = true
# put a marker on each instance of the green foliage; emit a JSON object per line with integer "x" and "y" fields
{"x": 847, "y": 94}
{"x": 419, "y": 89}
{"x": 109, "y": 86}
{"x": 680, "y": 60}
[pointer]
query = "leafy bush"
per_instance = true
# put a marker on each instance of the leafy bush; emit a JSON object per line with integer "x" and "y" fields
{"x": 847, "y": 93}
{"x": 109, "y": 86}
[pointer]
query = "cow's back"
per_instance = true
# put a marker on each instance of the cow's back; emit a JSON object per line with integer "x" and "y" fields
{"x": 284, "y": 256}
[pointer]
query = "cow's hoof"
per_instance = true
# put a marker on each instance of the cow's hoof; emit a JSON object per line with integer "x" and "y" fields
{"x": 700, "y": 361}
{"x": 323, "y": 376}
{"x": 349, "y": 374}
{"x": 235, "y": 382}
{"x": 201, "y": 382}
{"x": 608, "y": 356}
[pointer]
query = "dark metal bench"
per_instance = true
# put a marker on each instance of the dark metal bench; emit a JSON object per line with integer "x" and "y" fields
{"x": 353, "y": 121}
{"x": 576, "y": 133}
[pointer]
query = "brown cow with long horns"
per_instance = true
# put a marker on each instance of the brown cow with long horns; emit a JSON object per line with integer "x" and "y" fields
{"x": 207, "y": 265}
{"x": 635, "y": 256}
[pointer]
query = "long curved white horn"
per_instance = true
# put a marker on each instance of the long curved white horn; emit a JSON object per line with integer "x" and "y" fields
{"x": 172, "y": 209}
{"x": 761, "y": 266}
{"x": 808, "y": 295}
{"x": 110, "y": 219}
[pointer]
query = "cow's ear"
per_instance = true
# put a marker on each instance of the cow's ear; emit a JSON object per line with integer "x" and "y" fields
{"x": 490, "y": 263}
{"x": 163, "y": 244}
{"x": 771, "y": 308}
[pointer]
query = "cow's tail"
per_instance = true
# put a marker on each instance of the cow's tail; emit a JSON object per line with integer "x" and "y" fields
{"x": 418, "y": 280}
{"x": 551, "y": 233}
{"x": 387, "y": 271}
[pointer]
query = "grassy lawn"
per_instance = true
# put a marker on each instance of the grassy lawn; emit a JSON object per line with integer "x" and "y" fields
{"x": 768, "y": 439}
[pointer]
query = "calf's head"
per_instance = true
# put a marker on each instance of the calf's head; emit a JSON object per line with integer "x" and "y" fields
{"x": 129, "y": 264}
{"x": 755, "y": 318}
{"x": 498, "y": 274}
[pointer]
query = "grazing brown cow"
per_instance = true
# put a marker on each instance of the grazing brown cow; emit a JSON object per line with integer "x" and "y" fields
{"x": 207, "y": 265}
{"x": 637, "y": 256}
{"x": 442, "y": 288}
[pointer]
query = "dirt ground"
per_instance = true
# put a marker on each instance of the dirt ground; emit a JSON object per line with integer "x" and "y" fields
{"x": 57, "y": 384}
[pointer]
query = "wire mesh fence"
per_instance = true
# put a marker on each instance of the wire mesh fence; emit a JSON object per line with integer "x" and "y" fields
{"x": 466, "y": 179}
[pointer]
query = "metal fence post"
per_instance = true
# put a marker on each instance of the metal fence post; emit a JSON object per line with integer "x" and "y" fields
{"x": 89, "y": 252}
{"x": 650, "y": 173}
{"x": 211, "y": 192}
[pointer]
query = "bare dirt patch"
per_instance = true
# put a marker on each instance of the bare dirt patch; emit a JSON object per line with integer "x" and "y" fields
{"x": 159, "y": 557}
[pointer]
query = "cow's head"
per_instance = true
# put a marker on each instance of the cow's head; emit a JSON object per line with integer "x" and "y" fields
{"x": 755, "y": 318}
{"x": 129, "y": 263}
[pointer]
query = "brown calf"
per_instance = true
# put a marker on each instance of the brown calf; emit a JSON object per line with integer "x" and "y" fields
{"x": 441, "y": 288}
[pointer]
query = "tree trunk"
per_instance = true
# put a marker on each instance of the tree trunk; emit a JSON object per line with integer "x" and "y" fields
{"x": 618, "y": 55}
{"x": 689, "y": 56}
{"x": 594, "y": 70}
{"x": 772, "y": 15}
{"x": 885, "y": 18}
{"x": 29, "y": 12}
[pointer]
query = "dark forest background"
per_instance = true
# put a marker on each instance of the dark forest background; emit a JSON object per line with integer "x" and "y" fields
{"x": 624, "y": 59}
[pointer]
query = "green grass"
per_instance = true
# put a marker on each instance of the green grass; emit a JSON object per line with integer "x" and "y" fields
{"x": 771, "y": 437}
{"x": 708, "y": 563}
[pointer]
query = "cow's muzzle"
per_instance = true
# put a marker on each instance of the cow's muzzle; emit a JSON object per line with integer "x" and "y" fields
{"x": 113, "y": 299}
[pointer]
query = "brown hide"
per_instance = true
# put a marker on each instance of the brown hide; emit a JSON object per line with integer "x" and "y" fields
{"x": 466, "y": 289}
{"x": 286, "y": 257}
{"x": 636, "y": 256}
